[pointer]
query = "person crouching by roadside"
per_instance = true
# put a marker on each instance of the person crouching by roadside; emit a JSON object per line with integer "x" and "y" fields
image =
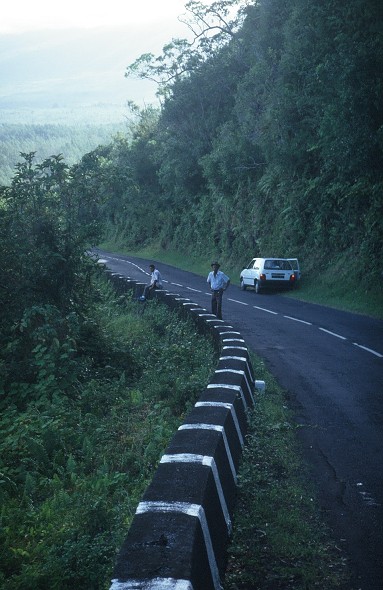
{"x": 218, "y": 282}
{"x": 155, "y": 283}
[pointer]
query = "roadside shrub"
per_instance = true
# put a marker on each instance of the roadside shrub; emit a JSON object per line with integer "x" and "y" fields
{"x": 74, "y": 463}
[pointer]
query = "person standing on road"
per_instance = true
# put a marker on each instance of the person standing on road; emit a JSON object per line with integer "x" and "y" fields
{"x": 155, "y": 283}
{"x": 218, "y": 282}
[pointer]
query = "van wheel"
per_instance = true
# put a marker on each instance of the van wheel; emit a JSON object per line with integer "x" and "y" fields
{"x": 242, "y": 285}
{"x": 257, "y": 287}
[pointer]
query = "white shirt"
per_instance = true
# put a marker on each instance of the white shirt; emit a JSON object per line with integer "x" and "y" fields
{"x": 156, "y": 277}
{"x": 218, "y": 281}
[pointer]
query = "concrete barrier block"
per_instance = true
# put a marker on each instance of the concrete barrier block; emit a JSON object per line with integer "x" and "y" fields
{"x": 167, "y": 543}
{"x": 179, "y": 534}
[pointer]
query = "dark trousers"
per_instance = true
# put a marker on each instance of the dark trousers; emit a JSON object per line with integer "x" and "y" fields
{"x": 216, "y": 303}
{"x": 148, "y": 291}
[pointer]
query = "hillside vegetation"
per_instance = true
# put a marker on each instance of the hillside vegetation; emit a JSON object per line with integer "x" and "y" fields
{"x": 269, "y": 142}
{"x": 91, "y": 389}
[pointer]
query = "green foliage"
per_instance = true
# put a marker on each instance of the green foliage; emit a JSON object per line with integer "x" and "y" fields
{"x": 75, "y": 462}
{"x": 269, "y": 138}
{"x": 90, "y": 390}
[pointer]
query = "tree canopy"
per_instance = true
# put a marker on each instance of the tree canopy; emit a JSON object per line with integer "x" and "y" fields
{"x": 269, "y": 136}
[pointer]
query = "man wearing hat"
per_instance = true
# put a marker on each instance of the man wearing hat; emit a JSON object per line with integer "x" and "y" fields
{"x": 218, "y": 282}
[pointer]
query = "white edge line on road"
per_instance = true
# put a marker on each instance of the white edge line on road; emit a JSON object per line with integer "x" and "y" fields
{"x": 374, "y": 352}
{"x": 235, "y": 301}
{"x": 267, "y": 310}
{"x": 369, "y": 350}
{"x": 333, "y": 334}
{"x": 297, "y": 320}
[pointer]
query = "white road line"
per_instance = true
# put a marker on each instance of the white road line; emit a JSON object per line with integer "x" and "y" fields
{"x": 374, "y": 352}
{"x": 333, "y": 334}
{"x": 296, "y": 320}
{"x": 369, "y": 350}
{"x": 267, "y": 310}
{"x": 240, "y": 302}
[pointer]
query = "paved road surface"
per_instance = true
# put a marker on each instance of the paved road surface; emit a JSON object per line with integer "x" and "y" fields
{"x": 331, "y": 364}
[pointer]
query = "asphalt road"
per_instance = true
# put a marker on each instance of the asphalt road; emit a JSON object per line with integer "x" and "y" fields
{"x": 331, "y": 365}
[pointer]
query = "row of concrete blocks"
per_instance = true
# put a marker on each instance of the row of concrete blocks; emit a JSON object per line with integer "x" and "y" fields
{"x": 179, "y": 534}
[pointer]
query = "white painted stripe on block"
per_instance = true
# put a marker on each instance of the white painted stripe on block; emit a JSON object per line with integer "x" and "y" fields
{"x": 195, "y": 510}
{"x": 233, "y": 413}
{"x": 221, "y": 430}
{"x": 153, "y": 584}
{"x": 226, "y": 386}
{"x": 233, "y": 358}
{"x": 207, "y": 462}
{"x": 238, "y": 372}
{"x": 234, "y": 347}
{"x": 233, "y": 340}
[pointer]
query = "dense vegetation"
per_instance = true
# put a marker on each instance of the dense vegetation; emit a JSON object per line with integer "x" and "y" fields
{"x": 91, "y": 389}
{"x": 268, "y": 140}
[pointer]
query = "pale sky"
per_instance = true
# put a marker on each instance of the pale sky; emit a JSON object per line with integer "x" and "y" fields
{"x": 26, "y": 15}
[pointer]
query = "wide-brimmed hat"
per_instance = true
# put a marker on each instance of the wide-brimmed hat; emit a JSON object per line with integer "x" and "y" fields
{"x": 215, "y": 264}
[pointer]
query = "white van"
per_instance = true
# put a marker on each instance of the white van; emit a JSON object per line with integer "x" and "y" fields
{"x": 268, "y": 272}
{"x": 295, "y": 264}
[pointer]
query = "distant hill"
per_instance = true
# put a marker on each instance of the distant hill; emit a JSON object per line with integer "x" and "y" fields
{"x": 65, "y": 91}
{"x": 73, "y": 70}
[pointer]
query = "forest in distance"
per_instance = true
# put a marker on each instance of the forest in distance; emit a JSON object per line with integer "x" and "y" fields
{"x": 73, "y": 140}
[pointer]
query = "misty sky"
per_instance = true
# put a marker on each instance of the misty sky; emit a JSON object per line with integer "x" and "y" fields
{"x": 43, "y": 62}
{"x": 25, "y": 15}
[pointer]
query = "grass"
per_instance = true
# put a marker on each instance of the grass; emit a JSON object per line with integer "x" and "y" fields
{"x": 279, "y": 541}
{"x": 75, "y": 464}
